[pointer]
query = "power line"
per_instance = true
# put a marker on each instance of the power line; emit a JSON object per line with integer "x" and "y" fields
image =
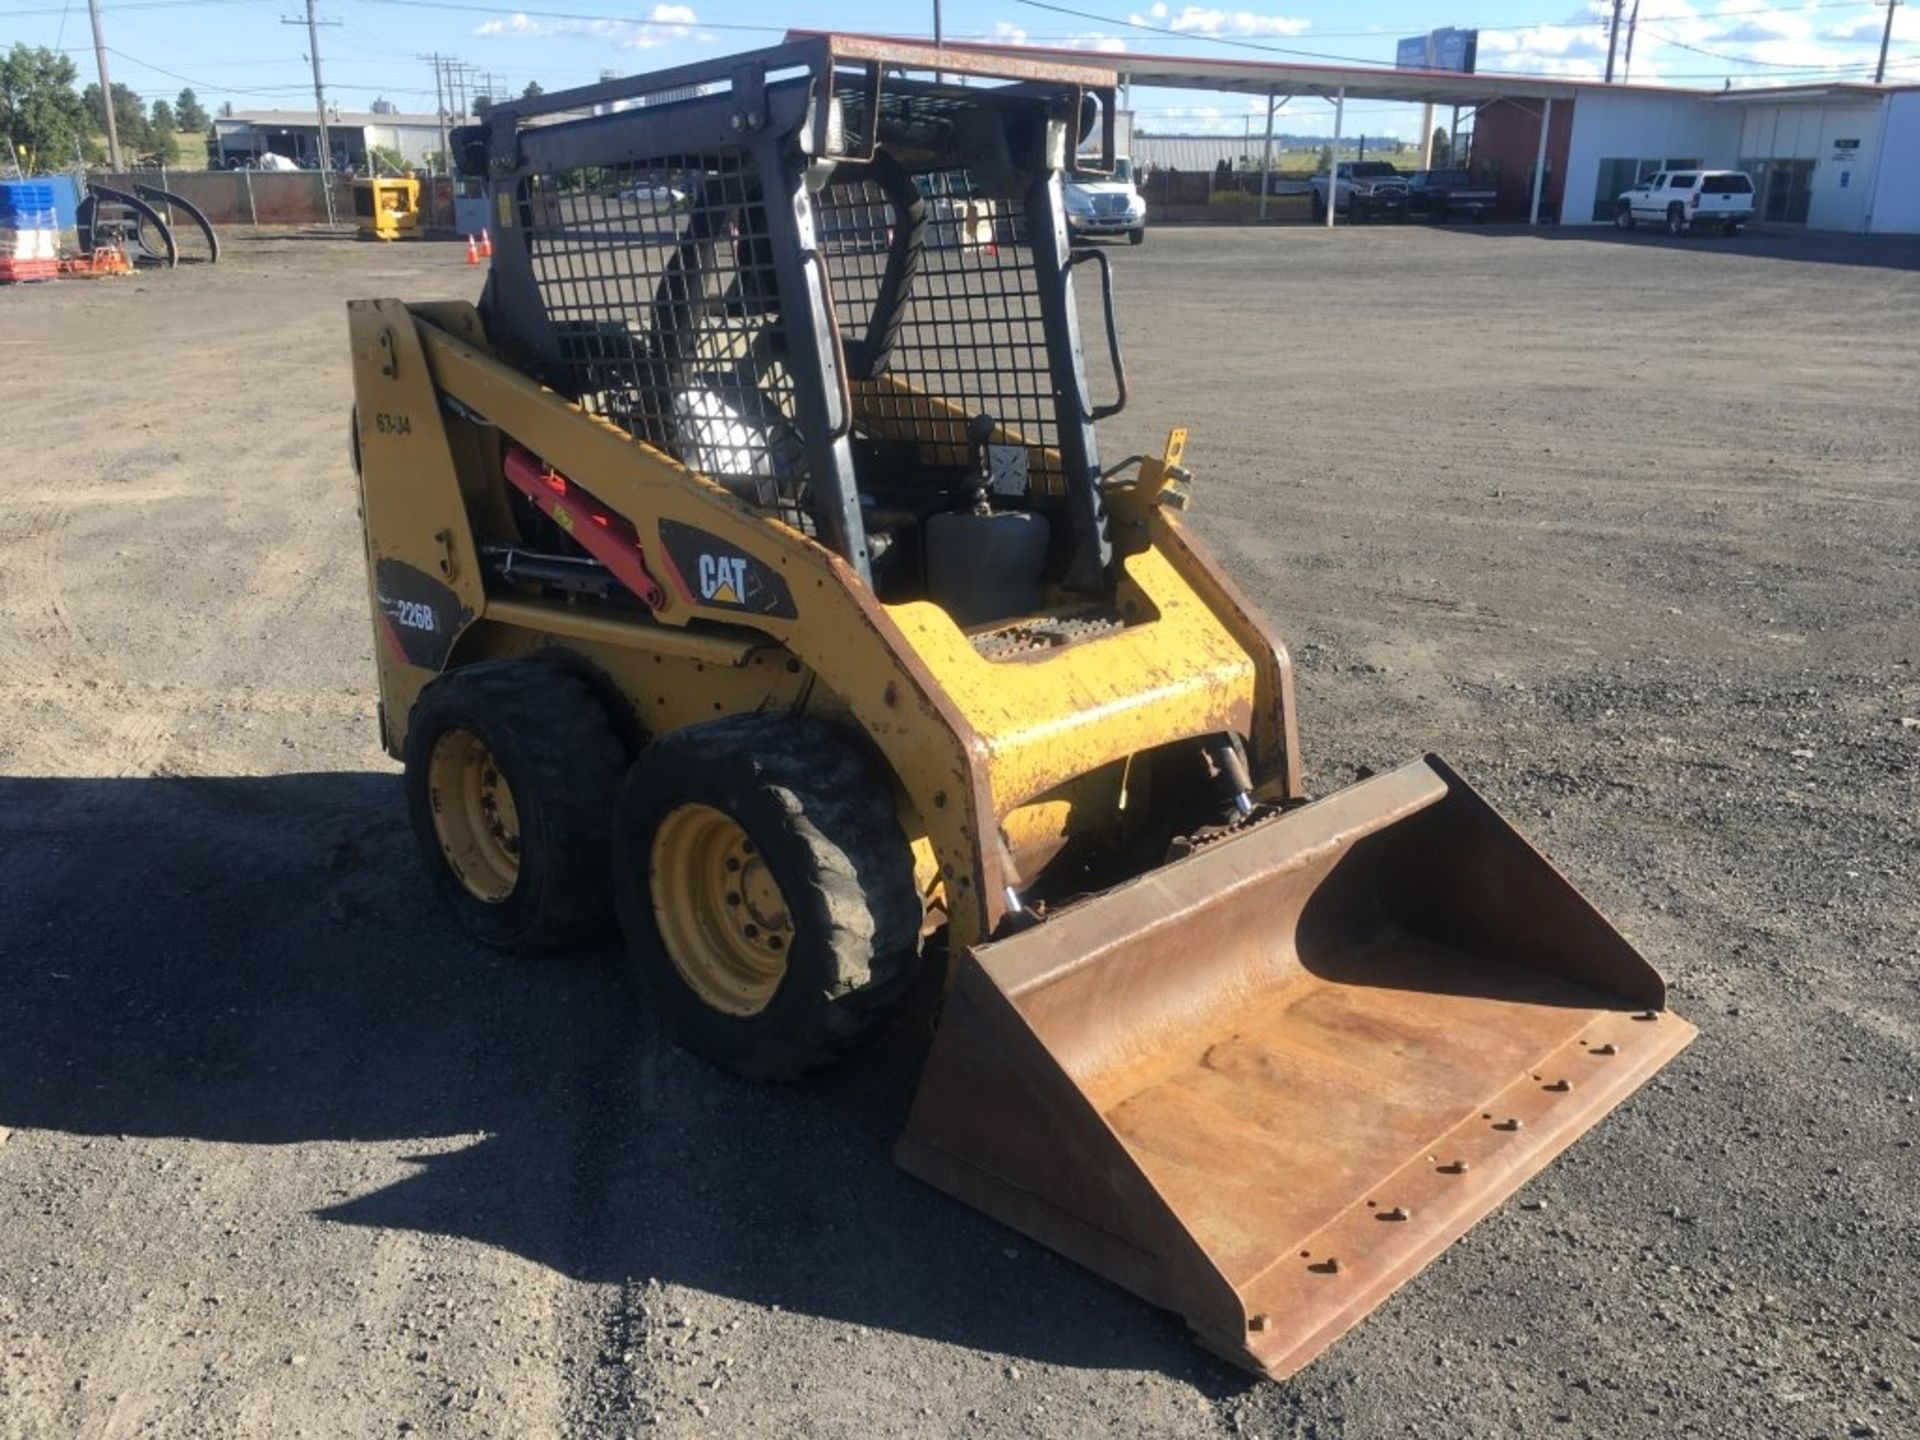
{"x": 638, "y": 22}
{"x": 1767, "y": 64}
{"x": 1181, "y": 34}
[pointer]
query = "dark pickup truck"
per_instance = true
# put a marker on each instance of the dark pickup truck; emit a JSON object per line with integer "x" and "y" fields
{"x": 1444, "y": 194}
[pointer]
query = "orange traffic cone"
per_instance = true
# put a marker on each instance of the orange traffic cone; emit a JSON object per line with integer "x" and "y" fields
{"x": 473, "y": 252}
{"x": 486, "y": 246}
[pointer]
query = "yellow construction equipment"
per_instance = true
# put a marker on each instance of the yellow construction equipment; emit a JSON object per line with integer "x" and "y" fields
{"x": 746, "y": 574}
{"x": 387, "y": 207}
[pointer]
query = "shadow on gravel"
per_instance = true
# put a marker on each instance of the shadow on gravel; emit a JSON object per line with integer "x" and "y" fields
{"x": 260, "y": 961}
{"x": 1758, "y": 242}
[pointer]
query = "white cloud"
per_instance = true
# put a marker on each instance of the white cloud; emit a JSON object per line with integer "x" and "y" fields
{"x": 659, "y": 26}
{"x": 1008, "y": 34}
{"x": 1197, "y": 20}
{"x": 1694, "y": 43}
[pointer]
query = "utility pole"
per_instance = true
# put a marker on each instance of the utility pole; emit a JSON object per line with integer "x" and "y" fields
{"x": 1633, "y": 27}
{"x": 1613, "y": 38}
{"x": 1879, "y": 71}
{"x": 313, "y": 25}
{"x": 106, "y": 85}
{"x": 439, "y": 62}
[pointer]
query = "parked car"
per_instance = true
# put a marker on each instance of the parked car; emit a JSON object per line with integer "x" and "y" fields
{"x": 1687, "y": 199}
{"x": 652, "y": 197}
{"x": 1444, "y": 194}
{"x": 1106, "y": 204}
{"x": 1363, "y": 190}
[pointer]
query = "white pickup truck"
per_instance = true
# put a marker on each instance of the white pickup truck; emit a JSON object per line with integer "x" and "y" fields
{"x": 1362, "y": 190}
{"x": 1688, "y": 199}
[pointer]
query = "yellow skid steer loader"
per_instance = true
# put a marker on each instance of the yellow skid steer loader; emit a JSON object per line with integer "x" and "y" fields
{"x": 746, "y": 575}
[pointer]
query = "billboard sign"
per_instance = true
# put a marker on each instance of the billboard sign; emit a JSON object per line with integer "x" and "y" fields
{"x": 1447, "y": 49}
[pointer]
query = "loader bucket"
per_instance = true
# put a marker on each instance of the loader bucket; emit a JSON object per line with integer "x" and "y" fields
{"x": 1264, "y": 1085}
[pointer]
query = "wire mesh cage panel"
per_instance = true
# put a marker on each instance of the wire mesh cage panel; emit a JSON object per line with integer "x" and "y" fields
{"x": 659, "y": 284}
{"x": 968, "y": 338}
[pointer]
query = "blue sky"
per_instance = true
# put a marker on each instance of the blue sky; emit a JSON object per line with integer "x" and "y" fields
{"x": 239, "y": 51}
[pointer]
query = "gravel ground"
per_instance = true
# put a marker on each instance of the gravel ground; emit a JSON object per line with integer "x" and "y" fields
{"x": 1628, "y": 530}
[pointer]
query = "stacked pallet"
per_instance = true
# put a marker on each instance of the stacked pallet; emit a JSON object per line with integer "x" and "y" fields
{"x": 29, "y": 231}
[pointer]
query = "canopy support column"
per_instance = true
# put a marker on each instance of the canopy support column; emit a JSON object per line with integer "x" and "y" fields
{"x": 1540, "y": 161}
{"x": 1266, "y": 157}
{"x": 1333, "y": 168}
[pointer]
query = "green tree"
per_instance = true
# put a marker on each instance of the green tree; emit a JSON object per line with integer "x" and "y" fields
{"x": 187, "y": 113}
{"x": 1326, "y": 157}
{"x": 1442, "y": 147}
{"x": 161, "y": 118}
{"x": 129, "y": 120}
{"x": 533, "y": 91}
{"x": 387, "y": 161}
{"x": 482, "y": 107}
{"x": 39, "y": 109}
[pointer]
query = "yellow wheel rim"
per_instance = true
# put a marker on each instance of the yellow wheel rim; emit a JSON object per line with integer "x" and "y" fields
{"x": 474, "y": 816}
{"x": 726, "y": 925}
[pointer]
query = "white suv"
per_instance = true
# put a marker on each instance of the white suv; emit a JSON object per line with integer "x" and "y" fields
{"x": 1682, "y": 199}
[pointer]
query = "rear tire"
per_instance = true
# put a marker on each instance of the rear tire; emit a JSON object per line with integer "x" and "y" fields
{"x": 1676, "y": 221}
{"x": 766, "y": 892}
{"x": 1623, "y": 217}
{"x": 511, "y": 768}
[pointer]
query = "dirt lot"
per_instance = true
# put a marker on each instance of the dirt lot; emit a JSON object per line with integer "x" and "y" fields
{"x": 1627, "y": 530}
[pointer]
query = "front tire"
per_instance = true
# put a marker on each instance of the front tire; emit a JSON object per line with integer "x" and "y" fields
{"x": 1137, "y": 237}
{"x": 1623, "y": 217}
{"x": 766, "y": 892}
{"x": 511, "y": 767}
{"x": 1730, "y": 229}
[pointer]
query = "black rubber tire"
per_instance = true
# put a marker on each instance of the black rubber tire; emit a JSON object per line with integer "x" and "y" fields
{"x": 560, "y": 755}
{"x": 1730, "y": 229}
{"x": 823, "y": 821}
{"x": 1318, "y": 206}
{"x": 1623, "y": 217}
{"x": 1137, "y": 237}
{"x": 1676, "y": 221}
